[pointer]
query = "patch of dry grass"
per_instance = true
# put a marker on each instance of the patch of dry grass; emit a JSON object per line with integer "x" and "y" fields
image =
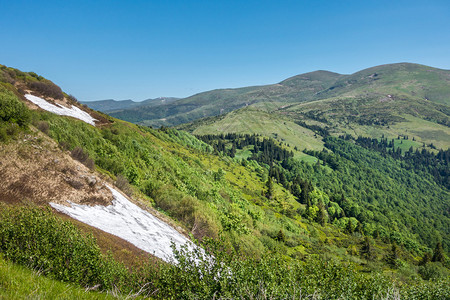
{"x": 35, "y": 169}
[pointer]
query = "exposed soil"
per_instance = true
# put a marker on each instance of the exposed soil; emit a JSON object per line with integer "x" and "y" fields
{"x": 35, "y": 169}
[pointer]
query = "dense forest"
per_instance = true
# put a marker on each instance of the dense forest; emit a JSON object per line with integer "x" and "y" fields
{"x": 381, "y": 194}
{"x": 421, "y": 161}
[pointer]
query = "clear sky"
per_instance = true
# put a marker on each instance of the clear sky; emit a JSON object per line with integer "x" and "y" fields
{"x": 146, "y": 49}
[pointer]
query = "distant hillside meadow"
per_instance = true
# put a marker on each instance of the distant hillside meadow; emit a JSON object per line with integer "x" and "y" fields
{"x": 322, "y": 186}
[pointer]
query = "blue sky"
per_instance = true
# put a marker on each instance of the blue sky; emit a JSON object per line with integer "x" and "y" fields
{"x": 146, "y": 49}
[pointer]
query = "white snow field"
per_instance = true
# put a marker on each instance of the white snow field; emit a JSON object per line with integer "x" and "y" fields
{"x": 62, "y": 110}
{"x": 131, "y": 223}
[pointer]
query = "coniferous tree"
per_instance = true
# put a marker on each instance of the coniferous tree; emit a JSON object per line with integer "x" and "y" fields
{"x": 438, "y": 254}
{"x": 269, "y": 188}
{"x": 280, "y": 236}
{"x": 392, "y": 256}
{"x": 304, "y": 195}
{"x": 321, "y": 217}
{"x": 359, "y": 228}
{"x": 233, "y": 150}
{"x": 367, "y": 249}
{"x": 349, "y": 227}
{"x": 427, "y": 257}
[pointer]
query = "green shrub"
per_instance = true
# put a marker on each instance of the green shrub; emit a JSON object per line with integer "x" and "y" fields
{"x": 3, "y": 134}
{"x": 12, "y": 109}
{"x": 82, "y": 156}
{"x": 47, "y": 88}
{"x": 433, "y": 271}
{"x": 188, "y": 210}
{"x": 34, "y": 237}
{"x": 43, "y": 126}
{"x": 223, "y": 274}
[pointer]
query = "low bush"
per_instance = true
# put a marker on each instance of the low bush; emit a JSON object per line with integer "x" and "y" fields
{"x": 82, "y": 156}
{"x": 72, "y": 99}
{"x": 123, "y": 184}
{"x": 34, "y": 237}
{"x": 433, "y": 271}
{"x": 12, "y": 110}
{"x": 47, "y": 89}
{"x": 190, "y": 211}
{"x": 43, "y": 126}
{"x": 224, "y": 274}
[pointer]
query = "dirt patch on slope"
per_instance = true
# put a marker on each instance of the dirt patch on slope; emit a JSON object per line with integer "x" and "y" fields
{"x": 35, "y": 169}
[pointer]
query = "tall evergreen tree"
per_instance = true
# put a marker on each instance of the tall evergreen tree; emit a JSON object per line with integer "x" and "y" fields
{"x": 392, "y": 256}
{"x": 269, "y": 188}
{"x": 427, "y": 257}
{"x": 349, "y": 227}
{"x": 321, "y": 217}
{"x": 367, "y": 249}
{"x": 438, "y": 254}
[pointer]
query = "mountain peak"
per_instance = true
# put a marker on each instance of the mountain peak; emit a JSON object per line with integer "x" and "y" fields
{"x": 320, "y": 75}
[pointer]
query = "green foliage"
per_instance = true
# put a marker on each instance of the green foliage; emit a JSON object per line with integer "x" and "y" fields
{"x": 393, "y": 256}
{"x": 433, "y": 271}
{"x": 367, "y": 250}
{"x": 438, "y": 254}
{"x": 35, "y": 238}
{"x": 381, "y": 190}
{"x": 269, "y": 188}
{"x": 221, "y": 273}
{"x": 17, "y": 282}
{"x": 268, "y": 209}
{"x": 12, "y": 110}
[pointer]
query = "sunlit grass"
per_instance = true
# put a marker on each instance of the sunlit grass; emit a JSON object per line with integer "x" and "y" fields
{"x": 17, "y": 282}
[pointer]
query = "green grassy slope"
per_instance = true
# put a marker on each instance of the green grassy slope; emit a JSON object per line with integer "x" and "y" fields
{"x": 403, "y": 78}
{"x": 375, "y": 115}
{"x": 390, "y": 100}
{"x": 254, "y": 121}
{"x": 18, "y": 282}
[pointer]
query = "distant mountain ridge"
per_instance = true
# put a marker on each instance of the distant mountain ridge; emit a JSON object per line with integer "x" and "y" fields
{"x": 111, "y": 105}
{"x": 404, "y": 79}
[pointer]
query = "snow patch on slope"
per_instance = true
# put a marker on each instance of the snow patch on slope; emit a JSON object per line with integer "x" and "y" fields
{"x": 131, "y": 223}
{"x": 62, "y": 110}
